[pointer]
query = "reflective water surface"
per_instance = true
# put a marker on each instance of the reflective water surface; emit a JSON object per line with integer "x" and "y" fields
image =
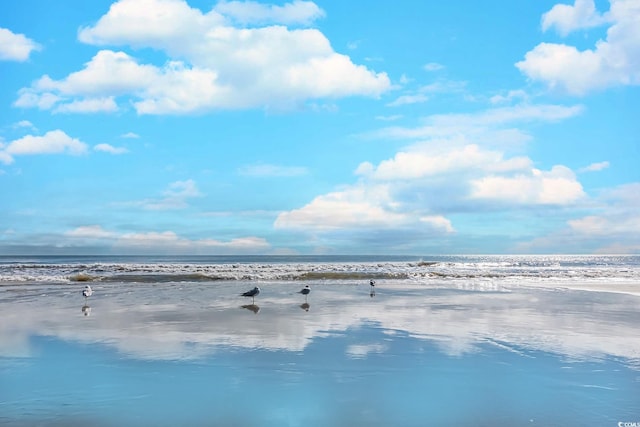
{"x": 198, "y": 353}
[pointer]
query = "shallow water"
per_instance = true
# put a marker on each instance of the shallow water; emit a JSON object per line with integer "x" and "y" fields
{"x": 198, "y": 354}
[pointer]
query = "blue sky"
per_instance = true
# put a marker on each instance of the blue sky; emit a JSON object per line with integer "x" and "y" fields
{"x": 328, "y": 127}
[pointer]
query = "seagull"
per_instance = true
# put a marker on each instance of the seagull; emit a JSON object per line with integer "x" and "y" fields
{"x": 372, "y": 283}
{"x": 252, "y": 293}
{"x": 305, "y": 291}
{"x": 87, "y": 292}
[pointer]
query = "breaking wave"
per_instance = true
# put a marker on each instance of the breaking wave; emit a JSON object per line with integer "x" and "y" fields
{"x": 508, "y": 269}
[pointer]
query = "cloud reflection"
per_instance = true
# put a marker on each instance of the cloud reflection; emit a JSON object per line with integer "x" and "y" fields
{"x": 139, "y": 322}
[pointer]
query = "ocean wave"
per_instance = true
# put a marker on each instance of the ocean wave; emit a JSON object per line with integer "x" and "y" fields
{"x": 512, "y": 269}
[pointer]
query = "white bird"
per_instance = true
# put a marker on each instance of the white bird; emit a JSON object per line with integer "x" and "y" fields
{"x": 252, "y": 293}
{"x": 87, "y": 292}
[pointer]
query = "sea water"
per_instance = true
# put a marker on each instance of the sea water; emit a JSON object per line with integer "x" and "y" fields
{"x": 438, "y": 341}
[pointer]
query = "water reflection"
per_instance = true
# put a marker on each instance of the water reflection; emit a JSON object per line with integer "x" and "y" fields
{"x": 86, "y": 310}
{"x": 411, "y": 356}
{"x": 251, "y": 307}
{"x": 163, "y": 321}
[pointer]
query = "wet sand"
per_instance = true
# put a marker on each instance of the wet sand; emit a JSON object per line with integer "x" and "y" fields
{"x": 200, "y": 354}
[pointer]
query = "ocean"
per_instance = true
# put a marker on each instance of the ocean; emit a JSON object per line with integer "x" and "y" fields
{"x": 438, "y": 340}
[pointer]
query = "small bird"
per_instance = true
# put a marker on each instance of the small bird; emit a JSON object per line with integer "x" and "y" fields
{"x": 87, "y": 292}
{"x": 372, "y": 283}
{"x": 252, "y": 293}
{"x": 305, "y": 291}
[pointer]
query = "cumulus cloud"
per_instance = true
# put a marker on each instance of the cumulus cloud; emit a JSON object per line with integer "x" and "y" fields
{"x": 555, "y": 187}
{"x": 358, "y": 207}
{"x": 614, "y": 61}
{"x": 211, "y": 64}
{"x": 567, "y": 18}
{"x": 15, "y": 47}
{"x": 53, "y": 142}
{"x": 453, "y": 166}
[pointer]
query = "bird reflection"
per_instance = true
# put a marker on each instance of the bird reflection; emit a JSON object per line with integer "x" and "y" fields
{"x": 252, "y": 307}
{"x": 305, "y": 306}
{"x": 86, "y": 310}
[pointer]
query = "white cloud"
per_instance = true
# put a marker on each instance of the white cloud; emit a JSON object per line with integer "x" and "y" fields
{"x": 5, "y": 157}
{"x": 489, "y": 125}
{"x": 53, "y": 142}
{"x": 91, "y": 232}
{"x": 130, "y": 135}
{"x": 423, "y": 161}
{"x": 15, "y": 47}
{"x": 358, "y": 207}
{"x": 160, "y": 242}
{"x": 448, "y": 171}
{"x": 106, "y": 148}
{"x": 169, "y": 240}
{"x": 510, "y": 96}
{"x": 566, "y": 18}
{"x": 212, "y": 64}
{"x": 251, "y": 12}
{"x": 613, "y": 228}
{"x": 24, "y": 124}
{"x": 267, "y": 170}
{"x": 555, "y": 187}
{"x": 176, "y": 196}
{"x": 408, "y": 99}
{"x": 595, "y": 167}
{"x": 89, "y": 105}
{"x": 433, "y": 66}
{"x": 612, "y": 62}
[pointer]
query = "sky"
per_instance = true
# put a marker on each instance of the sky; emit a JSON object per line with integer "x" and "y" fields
{"x": 329, "y": 127}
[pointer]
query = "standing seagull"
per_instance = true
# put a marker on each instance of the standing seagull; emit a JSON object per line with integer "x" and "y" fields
{"x": 372, "y": 283}
{"x": 87, "y": 292}
{"x": 252, "y": 293}
{"x": 305, "y": 291}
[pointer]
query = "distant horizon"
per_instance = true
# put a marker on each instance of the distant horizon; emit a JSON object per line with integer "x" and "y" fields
{"x": 319, "y": 127}
{"x": 358, "y": 255}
